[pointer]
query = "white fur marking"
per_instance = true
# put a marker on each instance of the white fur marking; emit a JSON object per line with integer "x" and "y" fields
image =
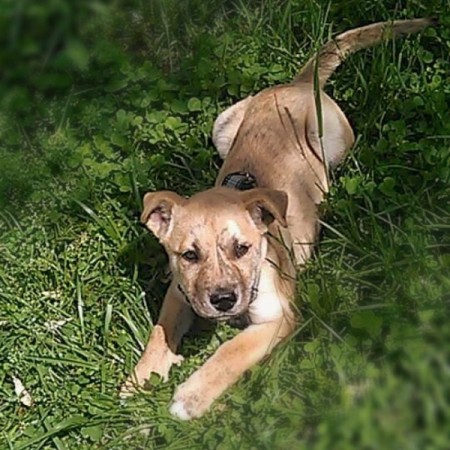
{"x": 178, "y": 410}
{"x": 334, "y": 144}
{"x": 268, "y": 303}
{"x": 233, "y": 228}
{"x": 227, "y": 125}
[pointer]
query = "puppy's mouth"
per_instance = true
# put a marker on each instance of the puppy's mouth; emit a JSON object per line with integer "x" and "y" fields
{"x": 223, "y": 317}
{"x": 237, "y": 311}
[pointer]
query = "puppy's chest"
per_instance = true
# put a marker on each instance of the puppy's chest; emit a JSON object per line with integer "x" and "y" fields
{"x": 268, "y": 305}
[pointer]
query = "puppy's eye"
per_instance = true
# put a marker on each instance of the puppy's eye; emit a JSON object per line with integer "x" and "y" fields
{"x": 241, "y": 250}
{"x": 190, "y": 256}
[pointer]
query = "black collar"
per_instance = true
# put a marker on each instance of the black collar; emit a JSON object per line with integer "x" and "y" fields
{"x": 240, "y": 180}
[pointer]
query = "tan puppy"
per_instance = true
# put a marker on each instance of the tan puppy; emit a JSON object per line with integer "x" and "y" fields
{"x": 233, "y": 253}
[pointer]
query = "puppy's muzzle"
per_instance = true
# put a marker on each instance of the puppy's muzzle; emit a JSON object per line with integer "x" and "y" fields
{"x": 223, "y": 300}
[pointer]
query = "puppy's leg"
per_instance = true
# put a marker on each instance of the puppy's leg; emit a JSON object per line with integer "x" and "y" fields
{"x": 231, "y": 360}
{"x": 160, "y": 353}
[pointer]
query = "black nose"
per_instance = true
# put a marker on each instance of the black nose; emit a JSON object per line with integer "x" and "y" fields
{"x": 223, "y": 300}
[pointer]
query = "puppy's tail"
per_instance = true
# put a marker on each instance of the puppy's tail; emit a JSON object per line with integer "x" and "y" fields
{"x": 331, "y": 55}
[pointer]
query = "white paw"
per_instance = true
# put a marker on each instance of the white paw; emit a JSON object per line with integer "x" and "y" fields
{"x": 191, "y": 400}
{"x": 178, "y": 411}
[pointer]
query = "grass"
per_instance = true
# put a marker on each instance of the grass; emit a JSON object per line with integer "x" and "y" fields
{"x": 117, "y": 110}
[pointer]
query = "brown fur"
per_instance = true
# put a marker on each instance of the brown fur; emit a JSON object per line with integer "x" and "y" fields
{"x": 224, "y": 240}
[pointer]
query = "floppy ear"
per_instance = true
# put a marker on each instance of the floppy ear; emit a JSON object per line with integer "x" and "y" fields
{"x": 227, "y": 126}
{"x": 266, "y": 205}
{"x": 158, "y": 209}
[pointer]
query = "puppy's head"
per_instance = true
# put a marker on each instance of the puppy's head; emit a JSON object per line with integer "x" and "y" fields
{"x": 216, "y": 243}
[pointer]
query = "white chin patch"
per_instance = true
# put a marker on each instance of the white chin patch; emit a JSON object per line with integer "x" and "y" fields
{"x": 178, "y": 410}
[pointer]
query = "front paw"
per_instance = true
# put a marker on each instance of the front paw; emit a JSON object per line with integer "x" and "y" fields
{"x": 143, "y": 370}
{"x": 190, "y": 401}
{"x": 133, "y": 384}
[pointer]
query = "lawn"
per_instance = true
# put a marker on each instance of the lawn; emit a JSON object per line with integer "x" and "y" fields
{"x": 102, "y": 101}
